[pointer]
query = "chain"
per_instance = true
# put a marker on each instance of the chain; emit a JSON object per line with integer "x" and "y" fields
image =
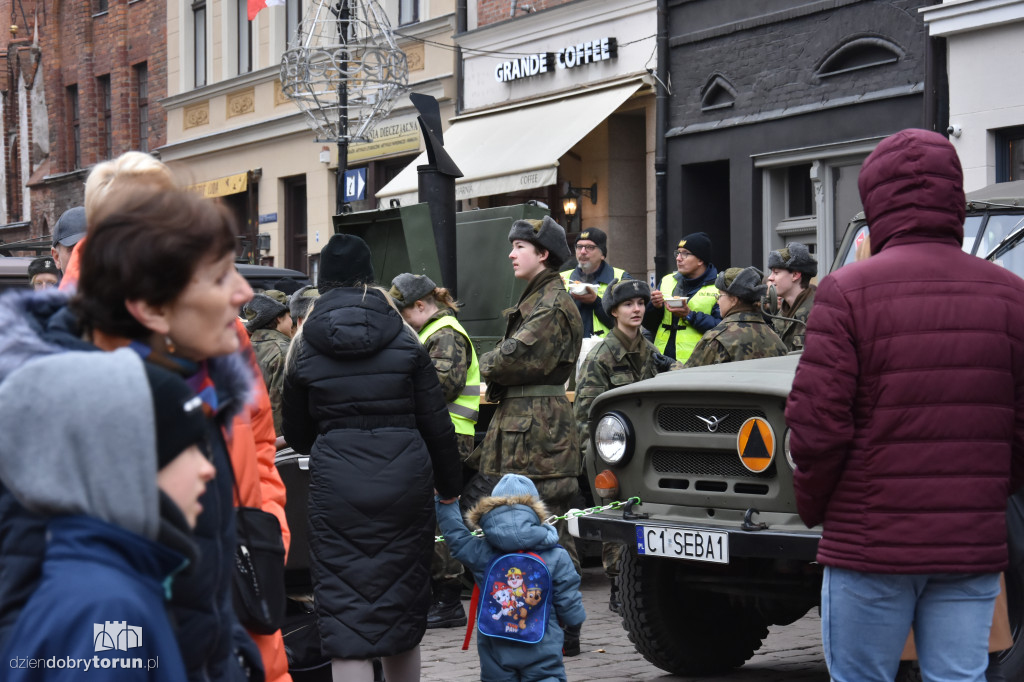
{"x": 572, "y": 513}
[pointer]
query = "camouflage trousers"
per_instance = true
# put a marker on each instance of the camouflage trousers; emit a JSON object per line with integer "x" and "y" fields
{"x": 558, "y": 495}
{"x": 443, "y": 566}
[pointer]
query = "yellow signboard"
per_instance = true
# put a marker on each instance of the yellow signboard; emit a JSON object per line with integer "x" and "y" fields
{"x": 755, "y": 444}
{"x": 390, "y": 137}
{"x": 232, "y": 184}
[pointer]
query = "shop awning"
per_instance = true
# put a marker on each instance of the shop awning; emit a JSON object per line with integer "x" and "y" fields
{"x": 514, "y": 149}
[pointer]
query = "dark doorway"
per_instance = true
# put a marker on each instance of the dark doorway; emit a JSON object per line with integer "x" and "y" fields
{"x": 295, "y": 254}
{"x": 239, "y": 205}
{"x": 705, "y": 207}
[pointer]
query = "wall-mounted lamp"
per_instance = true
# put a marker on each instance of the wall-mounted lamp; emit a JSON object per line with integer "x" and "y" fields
{"x": 325, "y": 154}
{"x": 571, "y": 196}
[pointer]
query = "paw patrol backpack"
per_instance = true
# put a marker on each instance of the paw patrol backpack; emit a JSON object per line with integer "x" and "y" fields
{"x": 514, "y": 600}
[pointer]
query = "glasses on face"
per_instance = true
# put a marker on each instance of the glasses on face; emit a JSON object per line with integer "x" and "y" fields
{"x": 717, "y": 296}
{"x": 586, "y": 247}
{"x": 683, "y": 254}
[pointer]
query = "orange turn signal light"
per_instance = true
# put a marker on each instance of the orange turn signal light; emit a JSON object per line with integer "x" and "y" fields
{"x": 606, "y": 485}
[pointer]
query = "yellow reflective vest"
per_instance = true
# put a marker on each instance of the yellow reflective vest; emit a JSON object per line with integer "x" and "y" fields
{"x": 703, "y": 301}
{"x": 466, "y": 408}
{"x": 599, "y": 329}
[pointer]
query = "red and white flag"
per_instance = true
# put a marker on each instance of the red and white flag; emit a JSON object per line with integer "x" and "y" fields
{"x": 256, "y": 5}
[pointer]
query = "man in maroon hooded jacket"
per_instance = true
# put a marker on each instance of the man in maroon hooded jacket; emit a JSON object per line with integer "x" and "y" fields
{"x": 907, "y": 418}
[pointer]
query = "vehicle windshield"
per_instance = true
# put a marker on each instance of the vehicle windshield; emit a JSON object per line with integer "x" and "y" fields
{"x": 996, "y": 230}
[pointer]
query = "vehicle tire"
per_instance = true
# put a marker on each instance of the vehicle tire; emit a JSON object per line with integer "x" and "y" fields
{"x": 680, "y": 630}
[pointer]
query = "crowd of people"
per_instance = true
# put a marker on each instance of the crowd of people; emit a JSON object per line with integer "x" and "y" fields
{"x": 176, "y": 384}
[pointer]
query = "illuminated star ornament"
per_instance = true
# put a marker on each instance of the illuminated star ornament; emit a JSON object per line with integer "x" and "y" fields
{"x": 344, "y": 69}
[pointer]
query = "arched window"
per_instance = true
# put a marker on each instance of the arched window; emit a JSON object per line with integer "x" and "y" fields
{"x": 717, "y": 93}
{"x": 859, "y": 53}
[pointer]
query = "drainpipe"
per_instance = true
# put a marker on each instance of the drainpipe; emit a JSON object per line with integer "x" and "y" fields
{"x": 461, "y": 21}
{"x": 660, "y": 153}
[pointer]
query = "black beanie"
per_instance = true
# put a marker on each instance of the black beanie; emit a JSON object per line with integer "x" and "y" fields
{"x": 178, "y": 412}
{"x": 288, "y": 286}
{"x": 597, "y": 236}
{"x": 345, "y": 261}
{"x": 699, "y": 244}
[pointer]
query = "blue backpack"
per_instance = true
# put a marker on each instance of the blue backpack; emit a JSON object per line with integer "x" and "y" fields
{"x": 516, "y": 598}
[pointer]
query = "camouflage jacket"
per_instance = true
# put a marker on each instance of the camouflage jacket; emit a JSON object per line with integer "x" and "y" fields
{"x": 792, "y": 333}
{"x": 742, "y": 335}
{"x": 449, "y": 351}
{"x": 609, "y": 366}
{"x": 534, "y": 435}
{"x": 271, "y": 347}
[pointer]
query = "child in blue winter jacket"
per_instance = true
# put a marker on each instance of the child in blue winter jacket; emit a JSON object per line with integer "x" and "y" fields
{"x": 514, "y": 588}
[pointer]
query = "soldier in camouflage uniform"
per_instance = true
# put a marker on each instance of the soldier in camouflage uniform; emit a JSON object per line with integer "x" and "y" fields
{"x": 533, "y": 432}
{"x": 622, "y": 357}
{"x": 269, "y": 324}
{"x": 743, "y": 333}
{"x": 431, "y": 311}
{"x": 791, "y": 271}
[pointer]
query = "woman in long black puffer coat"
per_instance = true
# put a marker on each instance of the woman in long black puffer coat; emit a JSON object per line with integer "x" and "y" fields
{"x": 362, "y": 398}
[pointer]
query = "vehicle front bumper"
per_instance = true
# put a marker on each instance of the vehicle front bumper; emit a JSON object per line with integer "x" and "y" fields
{"x": 765, "y": 544}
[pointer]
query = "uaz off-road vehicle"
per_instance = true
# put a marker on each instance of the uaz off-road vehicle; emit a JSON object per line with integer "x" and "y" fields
{"x": 716, "y": 552}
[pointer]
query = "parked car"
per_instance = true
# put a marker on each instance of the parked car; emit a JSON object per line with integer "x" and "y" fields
{"x": 716, "y": 553}
{"x": 13, "y": 272}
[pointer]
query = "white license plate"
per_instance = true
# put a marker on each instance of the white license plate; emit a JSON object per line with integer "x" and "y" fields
{"x": 683, "y": 543}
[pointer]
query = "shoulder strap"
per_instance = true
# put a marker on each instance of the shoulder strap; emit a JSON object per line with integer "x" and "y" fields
{"x": 474, "y": 605}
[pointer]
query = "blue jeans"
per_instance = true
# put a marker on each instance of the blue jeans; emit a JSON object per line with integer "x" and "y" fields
{"x": 866, "y": 617}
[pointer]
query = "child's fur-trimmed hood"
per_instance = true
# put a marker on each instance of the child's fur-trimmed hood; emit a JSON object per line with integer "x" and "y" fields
{"x": 488, "y": 504}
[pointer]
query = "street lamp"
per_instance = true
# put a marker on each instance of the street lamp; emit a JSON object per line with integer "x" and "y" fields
{"x": 571, "y": 197}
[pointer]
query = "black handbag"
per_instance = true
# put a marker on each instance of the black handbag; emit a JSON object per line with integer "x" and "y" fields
{"x": 258, "y": 590}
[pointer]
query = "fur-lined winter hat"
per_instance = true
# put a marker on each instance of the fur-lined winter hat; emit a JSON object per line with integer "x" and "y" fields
{"x": 794, "y": 257}
{"x": 511, "y": 490}
{"x": 743, "y": 283}
{"x": 545, "y": 233}
{"x": 408, "y": 288}
{"x": 620, "y": 291}
{"x": 263, "y": 309}
{"x": 302, "y": 300}
{"x": 42, "y": 265}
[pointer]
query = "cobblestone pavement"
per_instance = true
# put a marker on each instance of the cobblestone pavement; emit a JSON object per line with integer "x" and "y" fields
{"x": 789, "y": 654}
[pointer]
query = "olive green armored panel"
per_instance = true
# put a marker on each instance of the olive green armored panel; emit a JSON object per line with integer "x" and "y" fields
{"x": 402, "y": 240}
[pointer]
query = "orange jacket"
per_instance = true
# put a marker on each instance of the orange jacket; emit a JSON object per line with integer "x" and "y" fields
{"x": 71, "y": 269}
{"x": 251, "y": 444}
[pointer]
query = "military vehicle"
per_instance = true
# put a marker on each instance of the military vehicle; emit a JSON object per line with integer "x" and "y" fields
{"x": 716, "y": 552}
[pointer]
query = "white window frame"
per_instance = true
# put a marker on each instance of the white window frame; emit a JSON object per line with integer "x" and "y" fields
{"x": 776, "y": 229}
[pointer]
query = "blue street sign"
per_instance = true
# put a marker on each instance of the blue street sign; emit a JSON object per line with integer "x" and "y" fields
{"x": 355, "y": 184}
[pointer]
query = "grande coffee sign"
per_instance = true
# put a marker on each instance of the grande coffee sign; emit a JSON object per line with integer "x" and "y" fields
{"x": 569, "y": 57}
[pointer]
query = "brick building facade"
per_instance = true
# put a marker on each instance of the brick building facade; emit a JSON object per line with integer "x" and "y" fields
{"x": 492, "y": 11}
{"x": 22, "y": 117}
{"x": 104, "y": 67}
{"x": 774, "y": 107}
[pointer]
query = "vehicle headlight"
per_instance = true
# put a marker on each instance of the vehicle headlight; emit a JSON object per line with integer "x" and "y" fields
{"x": 613, "y": 439}
{"x": 785, "y": 448}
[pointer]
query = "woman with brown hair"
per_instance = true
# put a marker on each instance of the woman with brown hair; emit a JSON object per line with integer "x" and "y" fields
{"x": 158, "y": 277}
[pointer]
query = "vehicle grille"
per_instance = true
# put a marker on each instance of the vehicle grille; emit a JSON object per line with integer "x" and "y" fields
{"x": 684, "y": 419}
{"x": 703, "y": 463}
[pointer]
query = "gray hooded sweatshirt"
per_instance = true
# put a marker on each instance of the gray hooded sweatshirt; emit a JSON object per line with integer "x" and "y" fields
{"x": 60, "y": 415}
